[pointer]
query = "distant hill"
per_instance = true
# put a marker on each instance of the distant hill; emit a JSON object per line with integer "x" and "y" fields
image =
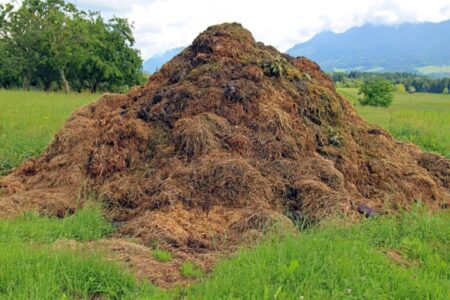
{"x": 422, "y": 47}
{"x": 155, "y": 62}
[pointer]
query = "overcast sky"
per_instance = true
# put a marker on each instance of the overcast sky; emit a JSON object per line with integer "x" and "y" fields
{"x": 164, "y": 24}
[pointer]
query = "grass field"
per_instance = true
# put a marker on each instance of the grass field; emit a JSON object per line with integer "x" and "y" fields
{"x": 28, "y": 121}
{"x": 403, "y": 257}
{"x": 397, "y": 257}
{"x": 423, "y": 119}
{"x": 32, "y": 269}
{"x": 426, "y": 70}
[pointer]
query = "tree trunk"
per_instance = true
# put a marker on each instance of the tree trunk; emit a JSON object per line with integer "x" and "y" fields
{"x": 66, "y": 85}
{"x": 26, "y": 84}
{"x": 27, "y": 81}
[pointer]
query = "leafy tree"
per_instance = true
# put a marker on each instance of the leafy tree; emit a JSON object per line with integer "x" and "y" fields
{"x": 445, "y": 90}
{"x": 411, "y": 89}
{"x": 51, "y": 42}
{"x": 9, "y": 75}
{"x": 111, "y": 64}
{"x": 377, "y": 92}
{"x": 400, "y": 88}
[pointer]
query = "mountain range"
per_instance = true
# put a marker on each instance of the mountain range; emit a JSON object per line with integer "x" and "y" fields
{"x": 408, "y": 47}
{"x": 421, "y": 47}
{"x": 152, "y": 64}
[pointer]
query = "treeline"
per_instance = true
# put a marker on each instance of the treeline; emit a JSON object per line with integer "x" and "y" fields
{"x": 52, "y": 45}
{"x": 404, "y": 81}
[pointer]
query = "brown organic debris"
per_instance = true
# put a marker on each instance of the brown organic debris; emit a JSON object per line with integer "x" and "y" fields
{"x": 226, "y": 136}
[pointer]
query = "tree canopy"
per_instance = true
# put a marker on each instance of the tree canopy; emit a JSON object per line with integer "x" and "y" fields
{"x": 377, "y": 92}
{"x": 50, "y": 44}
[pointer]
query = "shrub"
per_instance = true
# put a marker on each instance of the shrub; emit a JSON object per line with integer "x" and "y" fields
{"x": 400, "y": 88}
{"x": 377, "y": 92}
{"x": 275, "y": 68}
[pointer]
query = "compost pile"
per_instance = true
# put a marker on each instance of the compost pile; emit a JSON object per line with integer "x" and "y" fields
{"x": 228, "y": 137}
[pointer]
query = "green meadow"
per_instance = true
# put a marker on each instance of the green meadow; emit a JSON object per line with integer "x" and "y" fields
{"x": 29, "y": 120}
{"x": 397, "y": 257}
{"x": 423, "y": 119}
{"x": 388, "y": 257}
{"x": 426, "y": 70}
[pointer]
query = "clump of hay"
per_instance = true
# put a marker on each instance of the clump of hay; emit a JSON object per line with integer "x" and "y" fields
{"x": 193, "y": 138}
{"x": 198, "y": 135}
{"x": 238, "y": 142}
{"x": 229, "y": 182}
{"x": 273, "y": 120}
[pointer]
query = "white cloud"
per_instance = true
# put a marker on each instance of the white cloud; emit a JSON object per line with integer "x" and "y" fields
{"x": 108, "y": 7}
{"x": 164, "y": 24}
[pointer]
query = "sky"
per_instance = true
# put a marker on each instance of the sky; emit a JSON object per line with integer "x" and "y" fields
{"x": 160, "y": 25}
